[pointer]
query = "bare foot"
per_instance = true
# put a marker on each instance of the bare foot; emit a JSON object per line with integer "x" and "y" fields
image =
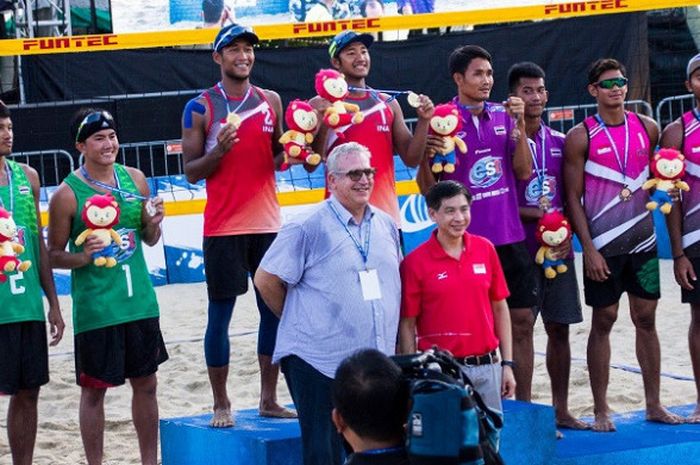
{"x": 276, "y": 411}
{"x": 603, "y": 423}
{"x": 222, "y": 418}
{"x": 695, "y": 416}
{"x": 661, "y": 415}
{"x": 568, "y": 421}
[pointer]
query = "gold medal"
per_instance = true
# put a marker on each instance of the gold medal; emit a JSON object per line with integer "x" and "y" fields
{"x": 626, "y": 194}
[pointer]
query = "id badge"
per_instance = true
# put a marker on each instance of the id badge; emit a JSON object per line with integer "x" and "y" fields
{"x": 369, "y": 280}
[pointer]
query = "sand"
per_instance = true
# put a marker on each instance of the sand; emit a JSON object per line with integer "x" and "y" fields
{"x": 184, "y": 389}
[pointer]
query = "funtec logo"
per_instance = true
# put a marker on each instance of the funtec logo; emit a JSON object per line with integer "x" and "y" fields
{"x": 336, "y": 26}
{"x": 581, "y": 7}
{"x": 486, "y": 172}
{"x": 71, "y": 42}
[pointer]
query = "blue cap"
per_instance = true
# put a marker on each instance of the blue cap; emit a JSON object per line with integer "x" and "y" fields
{"x": 345, "y": 38}
{"x": 232, "y": 32}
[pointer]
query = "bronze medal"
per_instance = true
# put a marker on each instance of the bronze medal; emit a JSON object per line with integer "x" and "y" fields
{"x": 545, "y": 203}
{"x": 626, "y": 194}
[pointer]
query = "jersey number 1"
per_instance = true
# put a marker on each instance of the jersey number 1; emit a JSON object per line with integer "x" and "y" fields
{"x": 129, "y": 285}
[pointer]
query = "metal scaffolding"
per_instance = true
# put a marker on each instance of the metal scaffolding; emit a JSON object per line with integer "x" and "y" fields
{"x": 42, "y": 18}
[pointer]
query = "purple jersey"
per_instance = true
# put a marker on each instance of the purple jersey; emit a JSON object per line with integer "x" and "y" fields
{"x": 618, "y": 226}
{"x": 487, "y": 170}
{"x": 546, "y": 179}
{"x": 691, "y": 199}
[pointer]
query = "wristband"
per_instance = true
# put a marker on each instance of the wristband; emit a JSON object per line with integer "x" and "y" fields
{"x": 678, "y": 257}
{"x": 508, "y": 363}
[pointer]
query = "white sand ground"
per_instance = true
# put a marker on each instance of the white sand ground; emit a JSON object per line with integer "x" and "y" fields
{"x": 184, "y": 389}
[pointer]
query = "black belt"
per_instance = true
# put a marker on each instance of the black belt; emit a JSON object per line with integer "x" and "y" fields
{"x": 486, "y": 359}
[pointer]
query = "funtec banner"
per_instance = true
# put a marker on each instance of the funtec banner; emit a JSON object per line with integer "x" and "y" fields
{"x": 37, "y": 46}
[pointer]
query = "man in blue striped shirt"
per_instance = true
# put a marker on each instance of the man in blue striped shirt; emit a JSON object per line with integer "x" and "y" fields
{"x": 333, "y": 278}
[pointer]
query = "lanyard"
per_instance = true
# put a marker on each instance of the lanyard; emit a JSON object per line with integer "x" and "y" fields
{"x": 541, "y": 175}
{"x": 364, "y": 251}
{"x": 385, "y": 450}
{"x": 225, "y": 96}
{"x": 623, "y": 167}
{"x": 697, "y": 114}
{"x": 8, "y": 171}
{"x": 125, "y": 194}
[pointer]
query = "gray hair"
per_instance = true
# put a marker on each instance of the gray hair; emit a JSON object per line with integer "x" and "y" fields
{"x": 343, "y": 151}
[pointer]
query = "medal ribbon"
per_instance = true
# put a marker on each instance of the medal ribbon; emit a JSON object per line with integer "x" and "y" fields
{"x": 124, "y": 193}
{"x": 623, "y": 167}
{"x": 225, "y": 96}
{"x": 541, "y": 175}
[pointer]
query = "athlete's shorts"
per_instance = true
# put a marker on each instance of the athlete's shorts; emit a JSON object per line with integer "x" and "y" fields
{"x": 106, "y": 357}
{"x": 558, "y": 299}
{"x": 692, "y": 297}
{"x": 521, "y": 275}
{"x": 228, "y": 260}
{"x": 636, "y": 274}
{"x": 24, "y": 356}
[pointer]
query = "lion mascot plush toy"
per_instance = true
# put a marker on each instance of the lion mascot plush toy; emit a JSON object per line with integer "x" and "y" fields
{"x": 446, "y": 123}
{"x": 668, "y": 167}
{"x": 100, "y": 213}
{"x": 552, "y": 230}
{"x": 302, "y": 123}
{"x": 9, "y": 249}
{"x": 331, "y": 85}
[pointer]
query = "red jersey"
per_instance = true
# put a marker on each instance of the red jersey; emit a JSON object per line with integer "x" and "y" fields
{"x": 450, "y": 298}
{"x": 375, "y": 133}
{"x": 241, "y": 196}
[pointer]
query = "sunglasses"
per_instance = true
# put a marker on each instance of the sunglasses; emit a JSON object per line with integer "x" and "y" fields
{"x": 356, "y": 175}
{"x": 612, "y": 82}
{"x": 93, "y": 117}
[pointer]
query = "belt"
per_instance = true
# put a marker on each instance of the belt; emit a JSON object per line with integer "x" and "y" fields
{"x": 485, "y": 359}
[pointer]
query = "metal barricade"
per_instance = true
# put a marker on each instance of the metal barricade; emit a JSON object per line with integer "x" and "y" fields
{"x": 671, "y": 108}
{"x": 565, "y": 117}
{"x": 52, "y": 165}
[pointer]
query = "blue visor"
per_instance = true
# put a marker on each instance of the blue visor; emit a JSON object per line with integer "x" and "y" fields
{"x": 228, "y": 34}
{"x": 345, "y": 38}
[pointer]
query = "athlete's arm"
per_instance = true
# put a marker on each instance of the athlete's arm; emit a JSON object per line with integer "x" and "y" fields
{"x": 319, "y": 104}
{"x": 277, "y": 148}
{"x": 411, "y": 148}
{"x": 55, "y": 319}
{"x": 150, "y": 225}
{"x": 425, "y": 178}
{"x": 522, "y": 158}
{"x": 199, "y": 165}
{"x": 672, "y": 137}
{"x": 501, "y": 326}
{"x": 575, "y": 149}
{"x": 530, "y": 214}
{"x": 407, "y": 335}
{"x": 653, "y": 131}
{"x": 272, "y": 290}
{"x": 62, "y": 207}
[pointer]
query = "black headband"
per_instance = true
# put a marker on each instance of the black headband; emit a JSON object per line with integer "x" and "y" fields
{"x": 92, "y": 123}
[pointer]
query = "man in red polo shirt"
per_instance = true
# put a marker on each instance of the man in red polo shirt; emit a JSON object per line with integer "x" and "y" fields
{"x": 453, "y": 296}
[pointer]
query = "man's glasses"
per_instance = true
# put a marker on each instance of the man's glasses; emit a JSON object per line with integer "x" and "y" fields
{"x": 356, "y": 175}
{"x": 612, "y": 82}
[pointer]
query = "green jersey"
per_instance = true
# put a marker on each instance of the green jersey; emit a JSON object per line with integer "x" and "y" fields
{"x": 21, "y": 293}
{"x": 111, "y": 296}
